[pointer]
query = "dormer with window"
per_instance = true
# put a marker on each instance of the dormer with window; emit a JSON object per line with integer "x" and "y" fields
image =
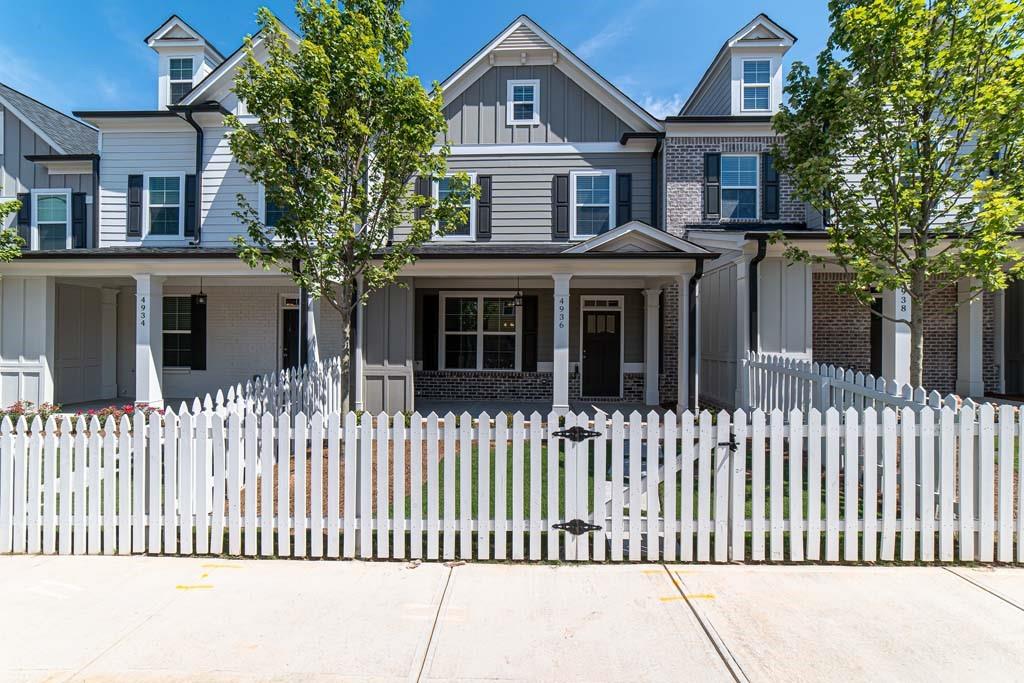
{"x": 745, "y": 78}
{"x": 185, "y": 58}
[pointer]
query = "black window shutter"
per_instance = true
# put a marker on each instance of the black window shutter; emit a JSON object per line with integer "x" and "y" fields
{"x": 78, "y": 220}
{"x": 198, "y": 332}
{"x": 560, "y": 207}
{"x": 483, "y": 208}
{"x": 529, "y": 363}
{"x": 623, "y": 198}
{"x": 424, "y": 190}
{"x": 134, "y": 205}
{"x": 25, "y": 218}
{"x": 770, "y": 203}
{"x": 712, "y": 185}
{"x": 190, "y": 206}
{"x": 430, "y": 313}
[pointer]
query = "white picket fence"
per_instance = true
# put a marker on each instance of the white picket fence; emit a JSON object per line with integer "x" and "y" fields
{"x": 315, "y": 388}
{"x": 873, "y": 486}
{"x": 784, "y": 383}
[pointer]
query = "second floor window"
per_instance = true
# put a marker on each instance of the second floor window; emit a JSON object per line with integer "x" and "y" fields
{"x": 464, "y": 231}
{"x": 593, "y": 202}
{"x": 756, "y": 85}
{"x": 739, "y": 186}
{"x": 180, "y": 71}
{"x": 523, "y": 102}
{"x": 177, "y": 334}
{"x": 53, "y": 221}
{"x": 165, "y": 212}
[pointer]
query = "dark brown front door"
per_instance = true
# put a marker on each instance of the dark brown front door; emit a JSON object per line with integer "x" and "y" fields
{"x": 289, "y": 338}
{"x": 602, "y": 368}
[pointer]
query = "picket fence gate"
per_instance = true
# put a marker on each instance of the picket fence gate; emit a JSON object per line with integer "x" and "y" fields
{"x": 912, "y": 485}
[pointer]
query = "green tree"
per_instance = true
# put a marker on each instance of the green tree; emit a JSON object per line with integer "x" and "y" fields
{"x": 342, "y": 132}
{"x": 10, "y": 240}
{"x": 909, "y": 134}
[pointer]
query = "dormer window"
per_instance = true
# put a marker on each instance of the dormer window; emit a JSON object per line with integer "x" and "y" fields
{"x": 523, "y": 102}
{"x": 756, "y": 85}
{"x": 180, "y": 71}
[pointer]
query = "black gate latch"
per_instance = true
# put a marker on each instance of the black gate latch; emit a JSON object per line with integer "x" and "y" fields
{"x": 576, "y": 434}
{"x": 577, "y": 527}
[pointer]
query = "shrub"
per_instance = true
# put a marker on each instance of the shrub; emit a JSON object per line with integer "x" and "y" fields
{"x": 29, "y": 411}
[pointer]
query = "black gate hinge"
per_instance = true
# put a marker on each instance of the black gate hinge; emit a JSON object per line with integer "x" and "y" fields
{"x": 576, "y": 434}
{"x": 577, "y": 527}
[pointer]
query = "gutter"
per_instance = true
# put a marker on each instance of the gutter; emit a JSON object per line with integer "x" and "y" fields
{"x": 96, "y": 200}
{"x": 198, "y": 237}
{"x": 659, "y": 138}
{"x": 752, "y": 294}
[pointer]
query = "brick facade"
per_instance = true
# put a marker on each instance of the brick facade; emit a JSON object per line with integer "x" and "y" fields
{"x": 990, "y": 370}
{"x": 511, "y": 386}
{"x": 940, "y": 346}
{"x": 684, "y": 177}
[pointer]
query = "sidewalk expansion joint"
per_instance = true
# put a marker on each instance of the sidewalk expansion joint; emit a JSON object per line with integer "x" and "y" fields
{"x": 433, "y": 626}
{"x": 733, "y": 666}
{"x": 988, "y": 590}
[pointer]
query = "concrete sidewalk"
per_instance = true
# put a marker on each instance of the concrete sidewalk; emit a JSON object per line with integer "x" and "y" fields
{"x": 147, "y": 618}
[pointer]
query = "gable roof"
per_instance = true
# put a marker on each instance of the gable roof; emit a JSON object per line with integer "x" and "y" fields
{"x": 229, "y": 65}
{"x": 65, "y": 134}
{"x": 525, "y": 35}
{"x": 184, "y": 32}
{"x": 636, "y": 236}
{"x": 760, "y": 28}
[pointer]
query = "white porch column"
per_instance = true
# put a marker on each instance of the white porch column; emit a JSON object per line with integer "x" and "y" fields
{"x": 969, "y": 339}
{"x": 896, "y": 336}
{"x": 312, "y": 330}
{"x": 108, "y": 332}
{"x": 560, "y": 356}
{"x": 652, "y": 334}
{"x": 357, "y": 352}
{"x": 149, "y": 291}
{"x": 683, "y": 345}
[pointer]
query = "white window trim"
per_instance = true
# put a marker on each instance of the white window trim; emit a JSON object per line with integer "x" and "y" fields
{"x": 435, "y": 190}
{"x": 172, "y": 81}
{"x": 479, "y": 333}
{"x": 573, "y": 235}
{"x": 181, "y": 205}
{"x": 756, "y": 187}
{"x": 586, "y": 304}
{"x": 42, "y": 192}
{"x": 510, "y": 110}
{"x": 165, "y": 331}
{"x": 744, "y": 85}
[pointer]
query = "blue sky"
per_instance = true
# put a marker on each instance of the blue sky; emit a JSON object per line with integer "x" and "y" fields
{"x": 90, "y": 55}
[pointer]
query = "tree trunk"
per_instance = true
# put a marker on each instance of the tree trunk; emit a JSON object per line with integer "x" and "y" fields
{"x": 917, "y": 287}
{"x": 346, "y": 347}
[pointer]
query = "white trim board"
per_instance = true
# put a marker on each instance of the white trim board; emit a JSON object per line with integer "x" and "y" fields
{"x": 635, "y": 147}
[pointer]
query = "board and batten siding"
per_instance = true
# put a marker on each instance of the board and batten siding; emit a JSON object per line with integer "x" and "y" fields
{"x": 521, "y": 188}
{"x": 567, "y": 112}
{"x": 718, "y": 360}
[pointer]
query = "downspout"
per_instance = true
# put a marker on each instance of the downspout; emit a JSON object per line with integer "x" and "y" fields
{"x": 198, "y": 237}
{"x": 658, "y": 137}
{"x": 752, "y": 302}
{"x": 692, "y": 343}
{"x": 96, "y": 201}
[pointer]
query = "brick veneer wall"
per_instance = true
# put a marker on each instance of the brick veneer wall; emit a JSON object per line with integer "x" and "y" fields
{"x": 990, "y": 364}
{"x": 483, "y": 386}
{"x": 684, "y": 175}
{"x": 842, "y": 327}
{"x": 940, "y": 346}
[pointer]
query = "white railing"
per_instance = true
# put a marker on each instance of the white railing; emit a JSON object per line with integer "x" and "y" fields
{"x": 918, "y": 484}
{"x": 316, "y": 388}
{"x": 788, "y": 383}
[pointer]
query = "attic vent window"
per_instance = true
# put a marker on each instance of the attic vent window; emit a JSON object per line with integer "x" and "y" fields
{"x": 523, "y": 102}
{"x": 180, "y": 72}
{"x": 756, "y": 85}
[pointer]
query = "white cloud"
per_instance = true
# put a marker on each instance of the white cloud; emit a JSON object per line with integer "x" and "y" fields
{"x": 660, "y": 107}
{"x": 611, "y": 34}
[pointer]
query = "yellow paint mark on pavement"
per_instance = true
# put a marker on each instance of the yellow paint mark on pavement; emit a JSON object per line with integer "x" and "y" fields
{"x": 216, "y": 565}
{"x": 689, "y": 596}
{"x": 194, "y": 587}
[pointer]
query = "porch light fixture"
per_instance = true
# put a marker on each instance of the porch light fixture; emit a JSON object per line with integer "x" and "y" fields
{"x": 201, "y": 297}
{"x": 517, "y": 300}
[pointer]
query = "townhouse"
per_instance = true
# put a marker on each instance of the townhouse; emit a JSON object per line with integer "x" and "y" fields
{"x": 611, "y": 256}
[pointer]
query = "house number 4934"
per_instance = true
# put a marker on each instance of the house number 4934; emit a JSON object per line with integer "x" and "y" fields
{"x": 142, "y": 311}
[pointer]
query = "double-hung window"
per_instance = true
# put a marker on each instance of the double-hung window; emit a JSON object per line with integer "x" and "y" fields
{"x": 177, "y": 335}
{"x": 739, "y": 186}
{"x": 180, "y": 71}
{"x": 164, "y": 212}
{"x": 480, "y": 332}
{"x": 52, "y": 214}
{"x": 523, "y": 106}
{"x": 592, "y": 203}
{"x": 272, "y": 213}
{"x": 463, "y": 231}
{"x": 757, "y": 85}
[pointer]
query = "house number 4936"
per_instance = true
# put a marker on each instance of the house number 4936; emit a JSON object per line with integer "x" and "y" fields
{"x": 561, "y": 313}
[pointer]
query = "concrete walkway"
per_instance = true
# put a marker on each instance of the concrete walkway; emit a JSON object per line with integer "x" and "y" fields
{"x": 147, "y": 619}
